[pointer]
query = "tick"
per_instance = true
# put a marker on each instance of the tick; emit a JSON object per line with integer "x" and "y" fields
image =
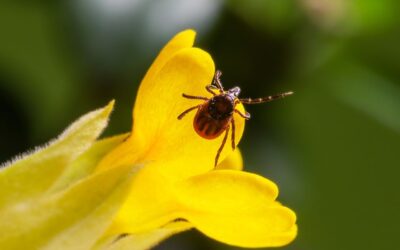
{"x": 215, "y": 115}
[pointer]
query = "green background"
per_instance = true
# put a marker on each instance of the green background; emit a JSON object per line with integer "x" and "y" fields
{"x": 333, "y": 147}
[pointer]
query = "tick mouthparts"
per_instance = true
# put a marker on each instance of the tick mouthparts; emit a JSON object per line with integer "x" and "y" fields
{"x": 288, "y": 93}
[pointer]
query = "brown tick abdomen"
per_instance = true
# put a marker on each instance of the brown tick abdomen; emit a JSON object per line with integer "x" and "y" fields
{"x": 208, "y": 127}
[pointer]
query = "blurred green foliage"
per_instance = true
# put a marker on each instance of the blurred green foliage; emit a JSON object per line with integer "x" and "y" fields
{"x": 332, "y": 147}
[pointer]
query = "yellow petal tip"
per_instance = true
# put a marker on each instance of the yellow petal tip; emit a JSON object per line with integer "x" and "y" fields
{"x": 188, "y": 34}
{"x": 109, "y": 107}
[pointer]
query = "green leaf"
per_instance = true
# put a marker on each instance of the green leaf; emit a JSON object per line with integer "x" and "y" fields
{"x": 71, "y": 219}
{"x": 369, "y": 92}
{"x": 29, "y": 176}
{"x": 37, "y": 61}
{"x": 371, "y": 16}
{"x": 267, "y": 15}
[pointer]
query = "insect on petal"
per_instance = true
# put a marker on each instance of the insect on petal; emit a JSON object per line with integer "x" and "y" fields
{"x": 157, "y": 133}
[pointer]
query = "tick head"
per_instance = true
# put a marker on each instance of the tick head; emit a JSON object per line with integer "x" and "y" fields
{"x": 221, "y": 106}
{"x": 235, "y": 91}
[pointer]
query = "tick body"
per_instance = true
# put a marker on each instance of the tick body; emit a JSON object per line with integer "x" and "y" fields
{"x": 215, "y": 115}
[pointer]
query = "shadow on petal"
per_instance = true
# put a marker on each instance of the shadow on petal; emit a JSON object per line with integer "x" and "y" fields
{"x": 147, "y": 240}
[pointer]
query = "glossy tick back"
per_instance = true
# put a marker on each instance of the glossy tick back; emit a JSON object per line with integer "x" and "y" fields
{"x": 215, "y": 115}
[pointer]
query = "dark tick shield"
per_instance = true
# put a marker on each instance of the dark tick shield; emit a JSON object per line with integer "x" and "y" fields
{"x": 215, "y": 114}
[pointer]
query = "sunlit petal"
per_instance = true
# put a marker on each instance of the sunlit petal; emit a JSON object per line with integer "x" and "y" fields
{"x": 177, "y": 178}
{"x": 159, "y": 138}
{"x": 182, "y": 40}
{"x": 150, "y": 204}
{"x": 233, "y": 161}
{"x": 236, "y": 208}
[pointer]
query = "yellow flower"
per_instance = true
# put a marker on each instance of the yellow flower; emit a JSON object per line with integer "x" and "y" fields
{"x": 78, "y": 192}
{"x": 177, "y": 179}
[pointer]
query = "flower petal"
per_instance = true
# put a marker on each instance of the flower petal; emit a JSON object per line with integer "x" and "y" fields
{"x": 236, "y": 208}
{"x": 233, "y": 161}
{"x": 128, "y": 153}
{"x": 169, "y": 149}
{"x": 150, "y": 204}
{"x": 158, "y": 135}
{"x": 182, "y": 40}
{"x": 156, "y": 123}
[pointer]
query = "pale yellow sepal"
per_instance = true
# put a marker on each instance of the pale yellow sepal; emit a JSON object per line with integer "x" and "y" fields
{"x": 77, "y": 210}
{"x": 86, "y": 163}
{"x": 71, "y": 219}
{"x": 31, "y": 174}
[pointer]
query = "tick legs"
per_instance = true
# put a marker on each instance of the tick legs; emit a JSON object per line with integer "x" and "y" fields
{"x": 233, "y": 134}
{"x": 217, "y": 80}
{"x": 224, "y": 141}
{"x": 222, "y": 146}
{"x": 265, "y": 99}
{"x": 245, "y": 116}
{"x": 210, "y": 88}
{"x": 192, "y": 108}
{"x": 195, "y": 97}
{"x": 187, "y": 111}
